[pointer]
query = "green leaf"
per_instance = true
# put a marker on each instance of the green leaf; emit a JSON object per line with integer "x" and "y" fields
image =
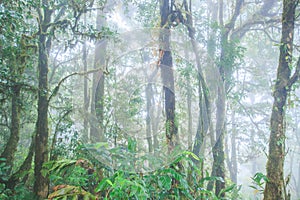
{"x": 230, "y": 188}
{"x": 192, "y": 154}
{"x": 165, "y": 182}
{"x": 174, "y": 174}
{"x": 103, "y": 185}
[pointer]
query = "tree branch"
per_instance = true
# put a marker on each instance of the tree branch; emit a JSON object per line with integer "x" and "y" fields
{"x": 238, "y": 6}
{"x": 240, "y": 31}
{"x": 295, "y": 76}
{"x": 55, "y": 91}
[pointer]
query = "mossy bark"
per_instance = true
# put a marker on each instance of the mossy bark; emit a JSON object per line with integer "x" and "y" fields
{"x": 166, "y": 67}
{"x": 275, "y": 186}
{"x": 42, "y": 133}
{"x": 12, "y": 144}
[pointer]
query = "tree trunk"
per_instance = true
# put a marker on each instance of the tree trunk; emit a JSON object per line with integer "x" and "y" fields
{"x": 12, "y": 144}
{"x": 85, "y": 85}
{"x": 25, "y": 167}
{"x": 190, "y": 118}
{"x": 275, "y": 186}
{"x": 42, "y": 133}
{"x": 218, "y": 148}
{"x": 17, "y": 71}
{"x": 166, "y": 66}
{"x": 232, "y": 160}
{"x": 204, "y": 117}
{"x": 234, "y": 163}
{"x": 233, "y": 171}
{"x": 149, "y": 94}
{"x": 97, "y": 106}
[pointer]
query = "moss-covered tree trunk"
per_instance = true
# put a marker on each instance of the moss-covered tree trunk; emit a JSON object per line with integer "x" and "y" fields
{"x": 23, "y": 173}
{"x": 218, "y": 148}
{"x": 42, "y": 133}
{"x": 275, "y": 186}
{"x": 17, "y": 67}
{"x": 166, "y": 66}
{"x": 11, "y": 146}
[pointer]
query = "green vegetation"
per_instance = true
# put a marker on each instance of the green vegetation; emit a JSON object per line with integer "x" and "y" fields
{"x": 168, "y": 99}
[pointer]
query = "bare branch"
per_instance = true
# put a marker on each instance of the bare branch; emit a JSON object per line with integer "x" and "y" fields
{"x": 241, "y": 31}
{"x": 55, "y": 91}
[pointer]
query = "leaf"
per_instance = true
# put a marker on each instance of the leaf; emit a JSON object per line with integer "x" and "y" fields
{"x": 133, "y": 190}
{"x": 174, "y": 174}
{"x": 192, "y": 154}
{"x": 102, "y": 185}
{"x": 165, "y": 182}
{"x": 230, "y": 188}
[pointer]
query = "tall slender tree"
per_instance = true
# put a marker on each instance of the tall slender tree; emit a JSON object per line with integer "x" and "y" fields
{"x": 276, "y": 186}
{"x": 42, "y": 132}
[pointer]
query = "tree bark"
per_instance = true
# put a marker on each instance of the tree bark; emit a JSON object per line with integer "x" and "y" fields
{"x": 42, "y": 132}
{"x": 12, "y": 144}
{"x": 97, "y": 106}
{"x": 275, "y": 186}
{"x": 149, "y": 94}
{"x": 85, "y": 85}
{"x": 218, "y": 148}
{"x": 25, "y": 167}
{"x": 204, "y": 117}
{"x": 17, "y": 68}
{"x": 166, "y": 67}
{"x": 232, "y": 159}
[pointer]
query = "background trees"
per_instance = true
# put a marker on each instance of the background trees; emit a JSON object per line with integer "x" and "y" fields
{"x": 121, "y": 136}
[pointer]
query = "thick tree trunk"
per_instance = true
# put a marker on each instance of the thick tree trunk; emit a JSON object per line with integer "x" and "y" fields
{"x": 42, "y": 133}
{"x": 275, "y": 186}
{"x": 97, "y": 106}
{"x": 166, "y": 66}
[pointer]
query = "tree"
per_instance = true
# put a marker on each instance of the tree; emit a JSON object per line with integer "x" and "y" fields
{"x": 165, "y": 64}
{"x": 51, "y": 17}
{"x": 276, "y": 186}
{"x": 97, "y": 100}
{"x": 15, "y": 61}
